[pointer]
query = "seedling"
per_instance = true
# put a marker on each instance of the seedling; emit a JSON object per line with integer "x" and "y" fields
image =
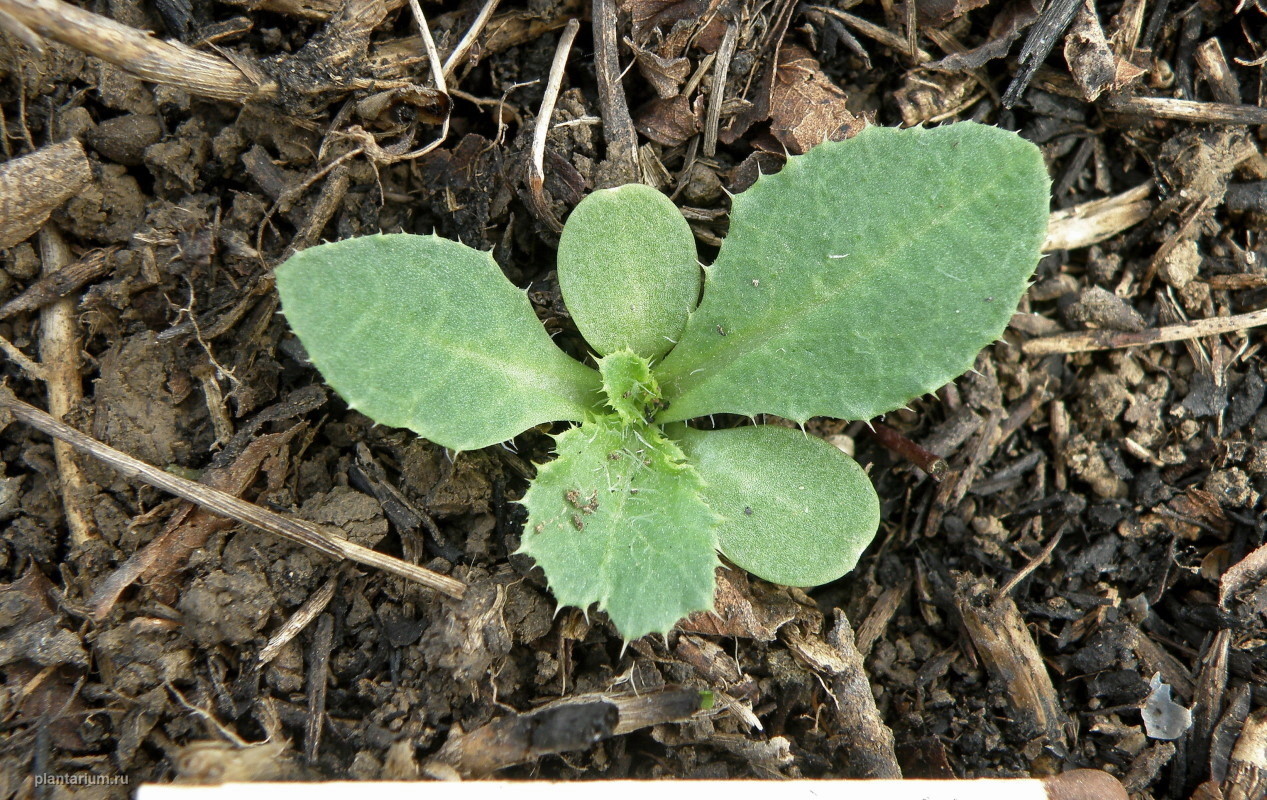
{"x": 864, "y": 274}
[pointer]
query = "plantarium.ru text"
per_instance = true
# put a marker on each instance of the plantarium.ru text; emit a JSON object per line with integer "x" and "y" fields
{"x": 864, "y": 274}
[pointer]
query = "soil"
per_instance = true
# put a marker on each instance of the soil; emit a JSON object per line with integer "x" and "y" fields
{"x": 1096, "y": 526}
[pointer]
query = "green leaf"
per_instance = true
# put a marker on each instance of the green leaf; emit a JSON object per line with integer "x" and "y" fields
{"x": 865, "y": 273}
{"x": 617, "y": 520}
{"x": 628, "y": 270}
{"x": 628, "y": 385}
{"x": 794, "y": 509}
{"x": 425, "y": 333}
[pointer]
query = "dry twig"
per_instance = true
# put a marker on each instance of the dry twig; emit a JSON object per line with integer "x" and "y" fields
{"x": 933, "y": 465}
{"x": 1087, "y": 341}
{"x": 618, "y": 127}
{"x": 398, "y": 151}
{"x": 1188, "y": 110}
{"x": 137, "y": 52}
{"x": 1034, "y": 563}
{"x": 536, "y": 165}
{"x": 31, "y": 368}
{"x": 295, "y": 530}
{"x": 888, "y": 38}
{"x": 59, "y": 355}
{"x": 1096, "y": 220}
{"x": 717, "y": 94}
{"x": 55, "y": 285}
{"x": 458, "y": 56}
{"x": 306, "y": 613}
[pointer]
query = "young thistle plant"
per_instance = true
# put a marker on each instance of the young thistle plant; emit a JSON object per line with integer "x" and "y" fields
{"x": 864, "y": 274}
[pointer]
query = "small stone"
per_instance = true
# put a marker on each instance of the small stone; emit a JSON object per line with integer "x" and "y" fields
{"x": 1100, "y": 308}
{"x": 1231, "y": 487}
{"x": 124, "y": 139}
{"x": 1181, "y": 265}
{"x": 1257, "y": 460}
{"x": 703, "y": 187}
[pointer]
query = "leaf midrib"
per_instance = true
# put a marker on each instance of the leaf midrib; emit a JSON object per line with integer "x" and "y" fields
{"x": 762, "y": 335}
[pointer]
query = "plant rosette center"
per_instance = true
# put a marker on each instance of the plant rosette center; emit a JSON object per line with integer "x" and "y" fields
{"x": 629, "y": 388}
{"x": 862, "y": 275}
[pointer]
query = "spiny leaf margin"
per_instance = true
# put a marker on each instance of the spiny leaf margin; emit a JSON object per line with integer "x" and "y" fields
{"x": 811, "y": 312}
{"x": 425, "y": 333}
{"x": 618, "y": 520}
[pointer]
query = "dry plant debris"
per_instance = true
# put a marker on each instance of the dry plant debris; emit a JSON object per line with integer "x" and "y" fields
{"x": 1100, "y": 520}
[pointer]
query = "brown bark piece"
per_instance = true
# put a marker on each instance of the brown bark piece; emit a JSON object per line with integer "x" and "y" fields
{"x": 1217, "y": 73}
{"x": 618, "y": 128}
{"x": 1009, "y": 652}
{"x": 1247, "y": 771}
{"x": 33, "y": 186}
{"x": 60, "y": 283}
{"x": 806, "y": 108}
{"x": 868, "y": 751}
{"x": 1088, "y": 54}
{"x": 1207, "y": 705}
{"x": 1095, "y": 64}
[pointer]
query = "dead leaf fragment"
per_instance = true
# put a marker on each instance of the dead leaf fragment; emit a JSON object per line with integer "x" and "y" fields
{"x": 806, "y": 108}
{"x": 648, "y": 14}
{"x": 1007, "y": 27}
{"x": 1094, "y": 64}
{"x": 666, "y": 75}
{"x": 745, "y": 609}
{"x": 938, "y": 12}
{"x": 669, "y": 122}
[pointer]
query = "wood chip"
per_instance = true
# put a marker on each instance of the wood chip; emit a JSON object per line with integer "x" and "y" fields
{"x": 1007, "y": 649}
{"x": 1187, "y": 110}
{"x": 35, "y": 185}
{"x": 1088, "y": 223}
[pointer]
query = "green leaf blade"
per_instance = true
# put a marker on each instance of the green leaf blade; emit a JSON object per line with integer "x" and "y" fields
{"x": 617, "y": 520}
{"x": 425, "y": 333}
{"x": 628, "y": 270}
{"x": 628, "y": 385}
{"x": 866, "y": 273}
{"x": 794, "y": 510}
